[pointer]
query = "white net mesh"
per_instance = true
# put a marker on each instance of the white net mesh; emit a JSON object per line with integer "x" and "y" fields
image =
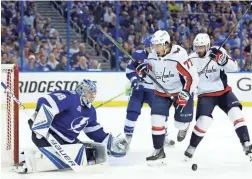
{"x": 8, "y": 116}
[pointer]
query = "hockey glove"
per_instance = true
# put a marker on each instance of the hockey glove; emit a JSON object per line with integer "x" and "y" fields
{"x": 183, "y": 98}
{"x": 113, "y": 146}
{"x": 218, "y": 56}
{"x": 135, "y": 83}
{"x": 141, "y": 69}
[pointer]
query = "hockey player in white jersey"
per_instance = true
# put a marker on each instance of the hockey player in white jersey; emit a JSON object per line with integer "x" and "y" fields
{"x": 173, "y": 70}
{"x": 213, "y": 90}
{"x": 142, "y": 90}
{"x": 64, "y": 115}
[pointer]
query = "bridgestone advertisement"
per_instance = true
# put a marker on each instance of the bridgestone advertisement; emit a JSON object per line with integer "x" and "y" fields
{"x": 34, "y": 85}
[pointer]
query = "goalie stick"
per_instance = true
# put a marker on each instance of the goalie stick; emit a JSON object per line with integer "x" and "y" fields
{"x": 51, "y": 140}
{"x": 206, "y": 67}
{"x": 131, "y": 58}
{"x": 105, "y": 102}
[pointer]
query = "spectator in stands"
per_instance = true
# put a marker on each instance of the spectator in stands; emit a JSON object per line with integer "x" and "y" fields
{"x": 126, "y": 21}
{"x": 130, "y": 43}
{"x": 131, "y": 33}
{"x": 137, "y": 40}
{"x": 83, "y": 14}
{"x": 41, "y": 51}
{"x": 32, "y": 35}
{"x": 46, "y": 47}
{"x": 227, "y": 48}
{"x": 108, "y": 16}
{"x": 62, "y": 66}
{"x": 82, "y": 64}
{"x": 4, "y": 58}
{"x": 42, "y": 65}
{"x": 95, "y": 65}
{"x": 103, "y": 41}
{"x": 124, "y": 59}
{"x": 144, "y": 33}
{"x": 248, "y": 48}
{"x": 75, "y": 47}
{"x": 56, "y": 36}
{"x": 237, "y": 57}
{"x": 248, "y": 62}
{"x": 13, "y": 60}
{"x": 173, "y": 7}
{"x": 31, "y": 65}
{"x": 233, "y": 41}
{"x": 29, "y": 19}
{"x": 52, "y": 62}
{"x": 56, "y": 52}
{"x": 76, "y": 56}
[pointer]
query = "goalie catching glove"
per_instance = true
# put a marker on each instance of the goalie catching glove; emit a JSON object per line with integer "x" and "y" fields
{"x": 114, "y": 145}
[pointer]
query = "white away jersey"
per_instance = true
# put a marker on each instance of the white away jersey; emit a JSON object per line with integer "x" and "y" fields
{"x": 213, "y": 80}
{"x": 174, "y": 71}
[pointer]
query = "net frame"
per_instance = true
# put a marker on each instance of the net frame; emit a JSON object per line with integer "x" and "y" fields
{"x": 10, "y": 76}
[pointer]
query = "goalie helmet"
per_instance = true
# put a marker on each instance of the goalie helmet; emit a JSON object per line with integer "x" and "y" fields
{"x": 87, "y": 91}
{"x": 202, "y": 39}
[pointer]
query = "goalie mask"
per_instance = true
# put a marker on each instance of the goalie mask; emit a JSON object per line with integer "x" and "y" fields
{"x": 201, "y": 44}
{"x": 87, "y": 91}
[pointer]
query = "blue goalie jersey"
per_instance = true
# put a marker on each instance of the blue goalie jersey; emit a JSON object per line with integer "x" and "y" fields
{"x": 72, "y": 116}
{"x": 140, "y": 56}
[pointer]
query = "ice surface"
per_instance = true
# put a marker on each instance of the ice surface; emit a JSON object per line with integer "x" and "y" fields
{"x": 218, "y": 156}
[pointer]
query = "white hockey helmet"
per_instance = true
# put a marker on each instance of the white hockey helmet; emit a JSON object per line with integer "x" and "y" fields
{"x": 160, "y": 37}
{"x": 202, "y": 39}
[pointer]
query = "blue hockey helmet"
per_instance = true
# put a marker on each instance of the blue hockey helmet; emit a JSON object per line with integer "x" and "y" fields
{"x": 87, "y": 91}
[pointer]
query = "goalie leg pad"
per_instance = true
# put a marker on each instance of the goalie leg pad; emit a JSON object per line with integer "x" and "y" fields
{"x": 47, "y": 159}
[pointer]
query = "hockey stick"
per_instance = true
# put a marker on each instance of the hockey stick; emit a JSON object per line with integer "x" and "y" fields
{"x": 105, "y": 102}
{"x": 131, "y": 58}
{"x": 51, "y": 140}
{"x": 202, "y": 71}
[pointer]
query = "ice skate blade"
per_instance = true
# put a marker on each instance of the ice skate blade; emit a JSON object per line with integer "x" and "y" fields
{"x": 187, "y": 159}
{"x": 250, "y": 157}
{"x": 19, "y": 169}
{"x": 159, "y": 162}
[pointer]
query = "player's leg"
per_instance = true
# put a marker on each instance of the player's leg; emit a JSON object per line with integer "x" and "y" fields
{"x": 133, "y": 111}
{"x": 204, "y": 120}
{"x": 183, "y": 117}
{"x": 159, "y": 112}
{"x": 233, "y": 108}
{"x": 148, "y": 96}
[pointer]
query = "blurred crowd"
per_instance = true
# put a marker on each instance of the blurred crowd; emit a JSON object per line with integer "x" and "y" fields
{"x": 137, "y": 21}
{"x": 44, "y": 49}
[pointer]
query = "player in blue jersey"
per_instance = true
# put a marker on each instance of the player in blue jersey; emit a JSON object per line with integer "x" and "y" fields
{"x": 142, "y": 91}
{"x": 73, "y": 113}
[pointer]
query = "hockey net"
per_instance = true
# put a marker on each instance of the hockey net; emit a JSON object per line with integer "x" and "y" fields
{"x": 9, "y": 116}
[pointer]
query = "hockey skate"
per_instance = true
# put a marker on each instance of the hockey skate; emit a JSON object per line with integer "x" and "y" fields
{"x": 189, "y": 153}
{"x": 20, "y": 168}
{"x": 157, "y": 157}
{"x": 248, "y": 150}
{"x": 182, "y": 134}
{"x": 168, "y": 142}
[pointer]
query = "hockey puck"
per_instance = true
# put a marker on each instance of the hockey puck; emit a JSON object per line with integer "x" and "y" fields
{"x": 194, "y": 167}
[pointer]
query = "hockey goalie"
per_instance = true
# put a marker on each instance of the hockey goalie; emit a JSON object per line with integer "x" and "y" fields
{"x": 58, "y": 120}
